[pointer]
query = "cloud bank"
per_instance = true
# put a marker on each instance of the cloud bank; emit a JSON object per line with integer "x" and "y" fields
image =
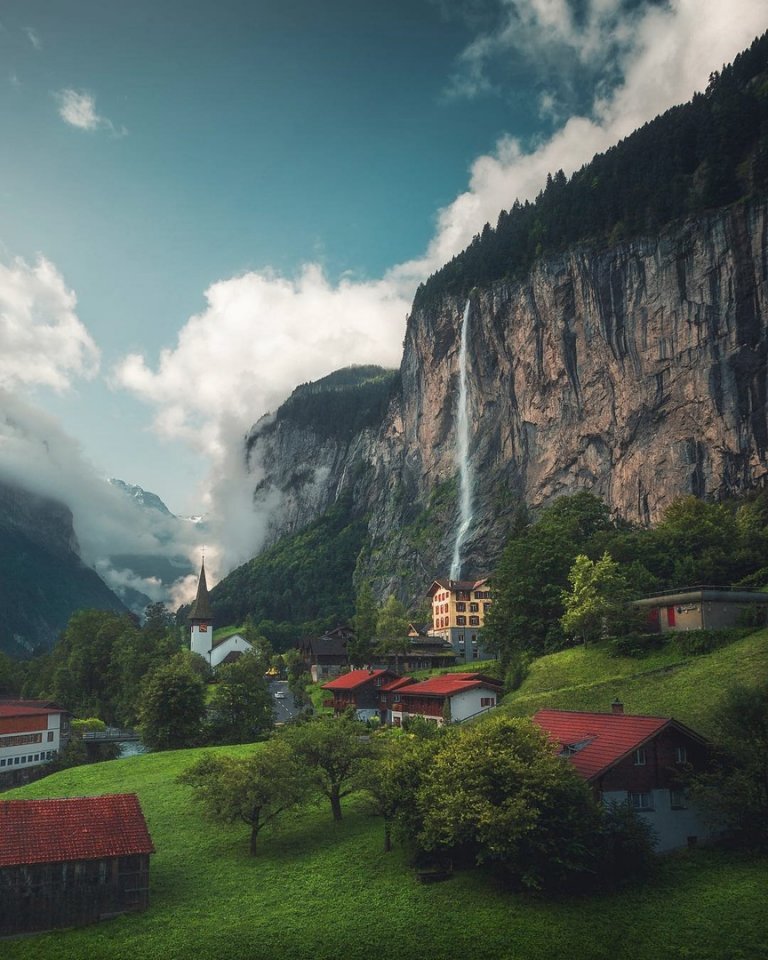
{"x": 42, "y": 341}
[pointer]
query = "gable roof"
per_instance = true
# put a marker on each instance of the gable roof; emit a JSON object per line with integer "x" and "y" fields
{"x": 28, "y": 710}
{"x": 448, "y": 685}
{"x": 396, "y": 684}
{"x": 603, "y": 739}
{"x": 355, "y": 679}
{"x": 454, "y": 585}
{"x": 76, "y": 828}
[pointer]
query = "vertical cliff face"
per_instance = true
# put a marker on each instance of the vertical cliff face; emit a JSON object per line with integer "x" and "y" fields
{"x": 636, "y": 371}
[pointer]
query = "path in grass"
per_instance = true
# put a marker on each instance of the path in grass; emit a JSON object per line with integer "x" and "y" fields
{"x": 324, "y": 891}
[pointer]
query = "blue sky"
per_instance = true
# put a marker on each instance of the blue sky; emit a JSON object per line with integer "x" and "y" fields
{"x": 203, "y": 204}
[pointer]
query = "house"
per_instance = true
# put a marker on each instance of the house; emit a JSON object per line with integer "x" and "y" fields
{"x": 32, "y": 732}
{"x": 359, "y": 689}
{"x": 327, "y": 655}
{"x": 451, "y": 697}
{"x": 424, "y": 652}
{"x": 72, "y": 861}
{"x": 701, "y": 608}
{"x": 389, "y": 697}
{"x": 459, "y": 608}
{"x": 637, "y": 760}
{"x": 225, "y": 649}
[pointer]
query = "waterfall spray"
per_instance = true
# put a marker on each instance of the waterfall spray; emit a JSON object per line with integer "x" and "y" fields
{"x": 462, "y": 453}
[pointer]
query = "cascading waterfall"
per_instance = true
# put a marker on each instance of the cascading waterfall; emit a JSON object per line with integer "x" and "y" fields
{"x": 462, "y": 452}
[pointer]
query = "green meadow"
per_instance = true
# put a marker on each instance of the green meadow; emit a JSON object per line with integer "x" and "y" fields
{"x": 324, "y": 891}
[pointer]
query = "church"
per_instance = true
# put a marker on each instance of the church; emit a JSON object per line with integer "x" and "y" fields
{"x": 226, "y": 649}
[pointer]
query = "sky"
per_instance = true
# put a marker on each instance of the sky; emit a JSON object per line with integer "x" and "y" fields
{"x": 204, "y": 204}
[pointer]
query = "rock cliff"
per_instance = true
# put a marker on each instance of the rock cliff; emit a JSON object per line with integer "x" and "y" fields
{"x": 637, "y": 371}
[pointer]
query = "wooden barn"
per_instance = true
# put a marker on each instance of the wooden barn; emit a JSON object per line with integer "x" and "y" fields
{"x": 68, "y": 862}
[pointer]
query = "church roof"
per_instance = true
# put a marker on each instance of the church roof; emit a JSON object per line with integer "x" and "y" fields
{"x": 201, "y": 608}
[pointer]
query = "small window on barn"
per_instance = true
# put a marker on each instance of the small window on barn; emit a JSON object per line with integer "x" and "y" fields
{"x": 639, "y": 757}
{"x": 678, "y": 800}
{"x": 641, "y": 801}
{"x": 681, "y": 755}
{"x": 50, "y": 736}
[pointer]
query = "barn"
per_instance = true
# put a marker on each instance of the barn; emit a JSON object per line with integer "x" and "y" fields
{"x": 68, "y": 862}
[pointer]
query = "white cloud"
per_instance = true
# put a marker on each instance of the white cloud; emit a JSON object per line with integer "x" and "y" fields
{"x": 262, "y": 334}
{"x": 34, "y": 38}
{"x": 42, "y": 341}
{"x": 78, "y": 109}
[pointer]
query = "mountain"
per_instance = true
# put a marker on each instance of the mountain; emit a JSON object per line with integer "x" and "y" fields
{"x": 617, "y": 342}
{"x": 42, "y": 578}
{"x": 143, "y": 498}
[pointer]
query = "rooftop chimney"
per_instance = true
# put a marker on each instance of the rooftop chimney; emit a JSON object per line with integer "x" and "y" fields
{"x": 617, "y": 706}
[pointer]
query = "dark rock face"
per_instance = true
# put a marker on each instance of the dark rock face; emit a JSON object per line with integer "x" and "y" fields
{"x": 42, "y": 578}
{"x": 637, "y": 372}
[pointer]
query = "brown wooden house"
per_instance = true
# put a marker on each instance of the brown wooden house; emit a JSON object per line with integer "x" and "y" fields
{"x": 68, "y": 862}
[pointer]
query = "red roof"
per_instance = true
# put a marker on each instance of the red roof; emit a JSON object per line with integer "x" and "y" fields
{"x": 601, "y": 739}
{"x": 396, "y": 684}
{"x": 7, "y": 710}
{"x": 354, "y": 679}
{"x": 77, "y": 828}
{"x": 446, "y": 685}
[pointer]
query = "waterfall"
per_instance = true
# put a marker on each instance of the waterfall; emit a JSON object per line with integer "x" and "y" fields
{"x": 462, "y": 453}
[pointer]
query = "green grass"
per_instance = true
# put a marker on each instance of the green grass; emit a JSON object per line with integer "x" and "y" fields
{"x": 323, "y": 891}
{"x": 665, "y": 683}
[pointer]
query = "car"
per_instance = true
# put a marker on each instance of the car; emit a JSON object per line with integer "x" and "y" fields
{"x": 280, "y": 695}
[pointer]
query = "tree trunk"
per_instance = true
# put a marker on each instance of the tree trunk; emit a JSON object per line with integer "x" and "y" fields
{"x": 255, "y": 827}
{"x": 387, "y": 835}
{"x": 335, "y": 805}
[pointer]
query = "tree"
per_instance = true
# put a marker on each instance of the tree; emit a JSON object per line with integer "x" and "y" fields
{"x": 241, "y": 706}
{"x": 598, "y": 598}
{"x": 392, "y": 628}
{"x": 332, "y": 748}
{"x": 365, "y": 620}
{"x": 254, "y": 789}
{"x": 736, "y": 788}
{"x": 498, "y": 791}
{"x": 172, "y": 706}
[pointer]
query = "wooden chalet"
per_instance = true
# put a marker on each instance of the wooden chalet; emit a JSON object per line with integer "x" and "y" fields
{"x": 638, "y": 760}
{"x": 451, "y": 697}
{"x": 358, "y": 689}
{"x": 327, "y": 655}
{"x": 69, "y": 862}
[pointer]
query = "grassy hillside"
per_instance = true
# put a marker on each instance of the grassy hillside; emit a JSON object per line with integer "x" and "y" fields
{"x": 320, "y": 891}
{"x": 665, "y": 683}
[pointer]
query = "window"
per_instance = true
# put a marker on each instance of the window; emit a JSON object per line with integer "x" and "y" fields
{"x": 461, "y": 606}
{"x": 487, "y": 701}
{"x": 2, "y": 763}
{"x": 681, "y": 755}
{"x": 474, "y": 621}
{"x": 50, "y": 736}
{"x": 641, "y": 801}
{"x": 20, "y": 739}
{"x": 461, "y": 621}
{"x": 639, "y": 757}
{"x": 486, "y": 607}
{"x": 474, "y": 607}
{"x": 678, "y": 800}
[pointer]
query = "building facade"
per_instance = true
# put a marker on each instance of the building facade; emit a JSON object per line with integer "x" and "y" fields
{"x": 459, "y": 608}
{"x": 702, "y": 608}
{"x": 31, "y": 735}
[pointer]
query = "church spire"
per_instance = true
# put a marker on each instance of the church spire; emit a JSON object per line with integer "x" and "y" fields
{"x": 201, "y": 619}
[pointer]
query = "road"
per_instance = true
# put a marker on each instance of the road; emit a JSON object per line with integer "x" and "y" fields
{"x": 283, "y": 705}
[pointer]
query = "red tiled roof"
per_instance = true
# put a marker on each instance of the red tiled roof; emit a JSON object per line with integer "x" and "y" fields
{"x": 354, "y": 679}
{"x": 396, "y": 684}
{"x": 446, "y": 686}
{"x": 603, "y": 738}
{"x": 27, "y": 711}
{"x": 76, "y": 828}
{"x": 453, "y": 585}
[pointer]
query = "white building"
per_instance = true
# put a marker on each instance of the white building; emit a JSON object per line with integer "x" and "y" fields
{"x": 31, "y": 734}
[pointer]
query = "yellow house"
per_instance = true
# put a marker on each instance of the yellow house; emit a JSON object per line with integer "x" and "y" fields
{"x": 459, "y": 608}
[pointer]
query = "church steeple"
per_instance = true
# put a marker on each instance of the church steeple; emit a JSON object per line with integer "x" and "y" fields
{"x": 201, "y": 619}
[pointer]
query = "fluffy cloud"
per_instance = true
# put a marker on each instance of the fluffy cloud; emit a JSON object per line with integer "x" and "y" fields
{"x": 259, "y": 336}
{"x": 42, "y": 341}
{"x": 78, "y": 109}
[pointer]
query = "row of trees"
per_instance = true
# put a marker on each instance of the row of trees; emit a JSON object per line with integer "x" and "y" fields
{"x": 571, "y": 571}
{"x": 492, "y": 793}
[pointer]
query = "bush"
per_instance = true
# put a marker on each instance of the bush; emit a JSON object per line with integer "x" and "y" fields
{"x": 694, "y": 643}
{"x": 636, "y": 644}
